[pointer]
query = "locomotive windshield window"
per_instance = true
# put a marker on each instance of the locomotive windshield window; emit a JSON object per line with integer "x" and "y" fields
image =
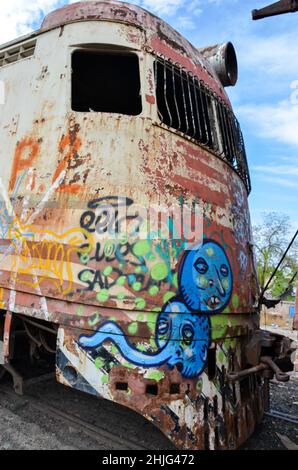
{"x": 186, "y": 104}
{"x": 106, "y": 82}
{"x": 181, "y": 104}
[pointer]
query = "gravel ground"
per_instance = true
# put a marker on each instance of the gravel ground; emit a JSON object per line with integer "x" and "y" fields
{"x": 284, "y": 398}
{"x": 24, "y": 427}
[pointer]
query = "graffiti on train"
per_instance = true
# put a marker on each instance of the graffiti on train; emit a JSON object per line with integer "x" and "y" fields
{"x": 34, "y": 256}
{"x": 182, "y": 332}
{"x": 124, "y": 261}
{"x": 205, "y": 278}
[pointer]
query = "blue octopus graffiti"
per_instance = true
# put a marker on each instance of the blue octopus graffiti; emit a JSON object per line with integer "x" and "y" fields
{"x": 183, "y": 326}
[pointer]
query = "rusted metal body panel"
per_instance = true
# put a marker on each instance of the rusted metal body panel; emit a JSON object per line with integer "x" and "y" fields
{"x": 124, "y": 305}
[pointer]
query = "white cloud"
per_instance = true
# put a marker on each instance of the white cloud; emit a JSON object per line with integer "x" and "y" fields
{"x": 186, "y": 22}
{"x": 273, "y": 121}
{"x": 18, "y": 16}
{"x": 285, "y": 170}
{"x": 278, "y": 181}
{"x": 273, "y": 55}
{"x": 162, "y": 7}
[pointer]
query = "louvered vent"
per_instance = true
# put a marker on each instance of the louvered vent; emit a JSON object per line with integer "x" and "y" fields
{"x": 16, "y": 53}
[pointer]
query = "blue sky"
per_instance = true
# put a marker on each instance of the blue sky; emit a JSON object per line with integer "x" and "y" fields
{"x": 265, "y": 99}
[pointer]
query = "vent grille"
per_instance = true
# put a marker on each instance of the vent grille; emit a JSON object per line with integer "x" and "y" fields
{"x": 15, "y": 53}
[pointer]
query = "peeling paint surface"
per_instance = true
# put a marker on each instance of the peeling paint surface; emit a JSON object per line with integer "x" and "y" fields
{"x": 152, "y": 323}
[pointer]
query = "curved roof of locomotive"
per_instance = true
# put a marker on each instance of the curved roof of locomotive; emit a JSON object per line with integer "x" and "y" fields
{"x": 160, "y": 36}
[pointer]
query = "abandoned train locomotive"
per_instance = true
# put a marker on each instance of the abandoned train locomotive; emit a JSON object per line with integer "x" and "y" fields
{"x": 108, "y": 109}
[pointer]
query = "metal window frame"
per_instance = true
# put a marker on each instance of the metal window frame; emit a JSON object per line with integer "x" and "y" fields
{"x": 208, "y": 120}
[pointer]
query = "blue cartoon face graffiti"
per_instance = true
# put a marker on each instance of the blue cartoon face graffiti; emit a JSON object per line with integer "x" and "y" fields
{"x": 183, "y": 327}
{"x": 205, "y": 278}
{"x": 182, "y": 338}
{"x": 186, "y": 335}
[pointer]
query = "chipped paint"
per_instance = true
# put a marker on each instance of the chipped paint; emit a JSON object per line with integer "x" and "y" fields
{"x": 148, "y": 323}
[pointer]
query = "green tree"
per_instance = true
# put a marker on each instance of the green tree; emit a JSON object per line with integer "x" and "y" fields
{"x": 271, "y": 239}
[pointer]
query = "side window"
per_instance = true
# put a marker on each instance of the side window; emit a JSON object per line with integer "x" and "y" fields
{"x": 186, "y": 104}
{"x": 183, "y": 104}
{"x": 106, "y": 82}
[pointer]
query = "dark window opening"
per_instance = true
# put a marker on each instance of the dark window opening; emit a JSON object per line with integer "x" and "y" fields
{"x": 186, "y": 104}
{"x": 174, "y": 389}
{"x": 152, "y": 390}
{"x": 106, "y": 82}
{"x": 123, "y": 386}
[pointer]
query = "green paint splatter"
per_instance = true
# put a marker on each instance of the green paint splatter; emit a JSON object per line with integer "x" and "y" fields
{"x": 153, "y": 344}
{"x": 121, "y": 281}
{"x": 133, "y": 328}
{"x": 151, "y": 322}
{"x": 121, "y": 296}
{"x": 218, "y": 326}
{"x": 99, "y": 363}
{"x": 203, "y": 281}
{"x": 199, "y": 386}
{"x": 80, "y": 311}
{"x": 85, "y": 259}
{"x": 153, "y": 290}
{"x": 109, "y": 249}
{"x": 141, "y": 347}
{"x": 86, "y": 276}
{"x": 128, "y": 365}
{"x": 138, "y": 269}
{"x": 175, "y": 280}
{"x": 123, "y": 238}
{"x": 105, "y": 379}
{"x": 140, "y": 317}
{"x": 221, "y": 357}
{"x": 141, "y": 248}
{"x": 168, "y": 296}
{"x": 231, "y": 344}
{"x": 107, "y": 271}
{"x": 103, "y": 295}
{"x": 114, "y": 350}
{"x": 137, "y": 286}
{"x": 159, "y": 271}
{"x": 140, "y": 303}
{"x": 210, "y": 252}
{"x": 96, "y": 318}
{"x": 156, "y": 375}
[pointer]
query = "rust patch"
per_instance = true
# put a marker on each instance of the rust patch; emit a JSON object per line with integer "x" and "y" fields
{"x": 25, "y": 154}
{"x": 150, "y": 99}
{"x": 168, "y": 40}
{"x": 69, "y": 147}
